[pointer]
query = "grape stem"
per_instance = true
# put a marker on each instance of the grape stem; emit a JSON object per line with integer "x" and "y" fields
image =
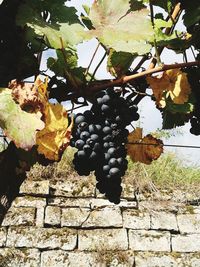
{"x": 125, "y": 79}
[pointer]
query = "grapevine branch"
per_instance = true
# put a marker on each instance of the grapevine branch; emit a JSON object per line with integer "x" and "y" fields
{"x": 125, "y": 79}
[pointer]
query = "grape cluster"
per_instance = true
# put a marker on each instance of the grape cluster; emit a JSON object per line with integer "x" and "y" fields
{"x": 100, "y": 136}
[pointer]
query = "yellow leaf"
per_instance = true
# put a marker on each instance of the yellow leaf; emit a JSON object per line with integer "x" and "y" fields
{"x": 143, "y": 149}
{"x": 55, "y": 137}
{"x": 171, "y": 83}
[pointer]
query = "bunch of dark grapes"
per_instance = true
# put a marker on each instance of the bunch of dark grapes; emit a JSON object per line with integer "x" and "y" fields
{"x": 100, "y": 136}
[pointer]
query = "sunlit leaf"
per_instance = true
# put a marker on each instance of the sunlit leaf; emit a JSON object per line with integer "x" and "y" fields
{"x": 55, "y": 137}
{"x": 171, "y": 83}
{"x": 20, "y": 126}
{"x": 143, "y": 149}
{"x": 120, "y": 28}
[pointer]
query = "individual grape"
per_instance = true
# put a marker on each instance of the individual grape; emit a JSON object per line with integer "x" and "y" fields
{"x": 79, "y": 143}
{"x": 84, "y": 135}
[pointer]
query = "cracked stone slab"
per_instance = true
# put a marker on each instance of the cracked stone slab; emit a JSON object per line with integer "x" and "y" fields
{"x": 104, "y": 217}
{"x": 60, "y": 258}
{"x": 102, "y": 202}
{"x": 19, "y": 216}
{"x": 70, "y": 202}
{"x": 163, "y": 221}
{"x": 102, "y": 239}
{"x": 42, "y": 238}
{"x": 100, "y": 258}
{"x": 35, "y": 187}
{"x": 74, "y": 216}
{"x": 189, "y": 223}
{"x": 3, "y": 234}
{"x": 29, "y": 201}
{"x": 19, "y": 257}
{"x": 136, "y": 219}
{"x": 186, "y": 243}
{"x": 155, "y": 259}
{"x": 143, "y": 240}
{"x": 76, "y": 187}
{"x": 52, "y": 215}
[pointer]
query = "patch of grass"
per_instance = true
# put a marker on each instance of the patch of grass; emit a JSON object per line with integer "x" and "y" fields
{"x": 167, "y": 173}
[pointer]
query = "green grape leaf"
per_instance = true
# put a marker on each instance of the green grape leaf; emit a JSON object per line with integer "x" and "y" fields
{"x": 119, "y": 62}
{"x": 172, "y": 120}
{"x": 180, "y": 108}
{"x": 20, "y": 126}
{"x": 65, "y": 27}
{"x": 65, "y": 65}
{"x": 117, "y": 27}
{"x": 192, "y": 12}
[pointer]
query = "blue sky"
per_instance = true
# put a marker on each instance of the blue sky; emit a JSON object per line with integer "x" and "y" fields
{"x": 149, "y": 121}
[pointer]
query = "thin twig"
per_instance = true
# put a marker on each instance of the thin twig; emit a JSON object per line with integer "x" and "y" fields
{"x": 175, "y": 14}
{"x": 97, "y": 67}
{"x": 86, "y": 72}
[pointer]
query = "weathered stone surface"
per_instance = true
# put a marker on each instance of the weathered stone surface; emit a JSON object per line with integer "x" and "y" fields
{"x": 186, "y": 243}
{"x": 35, "y": 187}
{"x": 75, "y": 187}
{"x": 19, "y": 216}
{"x": 10, "y": 257}
{"x": 29, "y": 201}
{"x": 136, "y": 219}
{"x": 39, "y": 220}
{"x": 101, "y": 258}
{"x": 156, "y": 260}
{"x": 115, "y": 258}
{"x": 106, "y": 239}
{"x": 61, "y": 258}
{"x": 163, "y": 221}
{"x": 3, "y": 233}
{"x": 52, "y": 238}
{"x": 70, "y": 202}
{"x": 52, "y": 215}
{"x": 102, "y": 202}
{"x": 74, "y": 216}
{"x": 189, "y": 223}
{"x": 104, "y": 217}
{"x": 143, "y": 240}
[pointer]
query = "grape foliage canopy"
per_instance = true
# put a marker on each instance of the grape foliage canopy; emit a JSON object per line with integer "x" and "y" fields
{"x": 133, "y": 35}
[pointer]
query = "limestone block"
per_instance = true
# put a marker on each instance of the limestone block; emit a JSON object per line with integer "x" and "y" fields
{"x": 61, "y": 258}
{"x": 189, "y": 223}
{"x": 76, "y": 187}
{"x": 74, "y": 216}
{"x": 35, "y": 187}
{"x": 10, "y": 257}
{"x": 136, "y": 219}
{"x": 104, "y": 217}
{"x": 186, "y": 243}
{"x": 102, "y": 239}
{"x": 163, "y": 221}
{"x": 29, "y": 201}
{"x": 19, "y": 216}
{"x": 142, "y": 240}
{"x": 70, "y": 202}
{"x": 3, "y": 233}
{"x": 149, "y": 259}
{"x": 52, "y": 215}
{"x": 42, "y": 238}
{"x": 39, "y": 221}
{"x": 102, "y": 202}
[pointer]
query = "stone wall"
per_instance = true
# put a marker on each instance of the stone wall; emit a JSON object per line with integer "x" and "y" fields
{"x": 59, "y": 223}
